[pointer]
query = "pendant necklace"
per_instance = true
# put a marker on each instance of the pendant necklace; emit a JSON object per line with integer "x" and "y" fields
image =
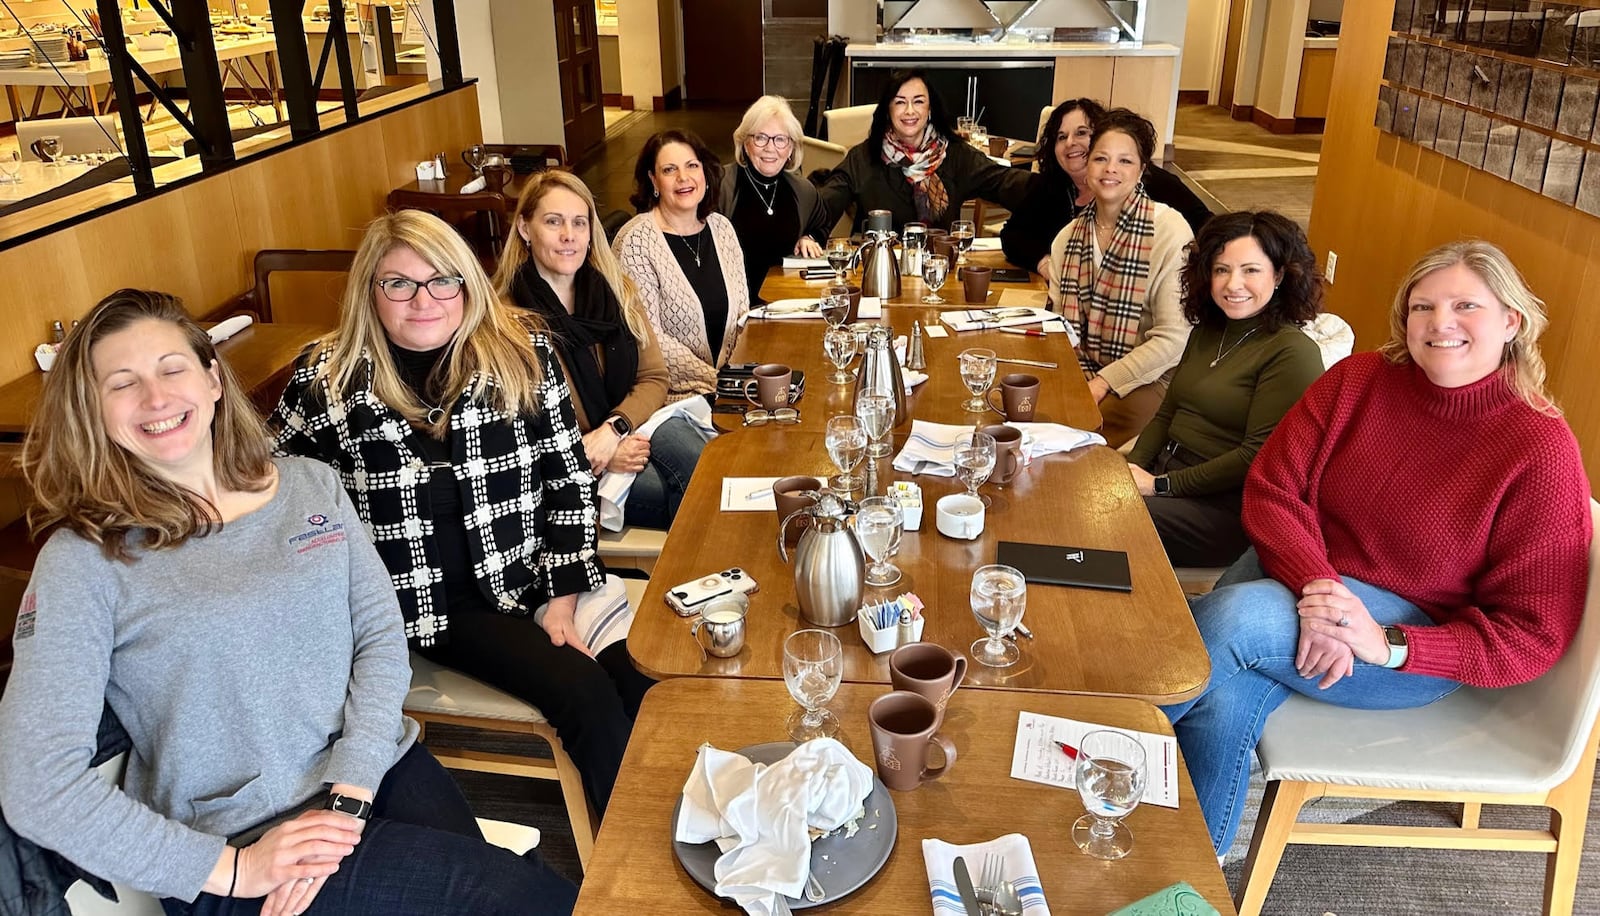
{"x": 695, "y": 249}
{"x": 750, "y": 173}
{"x": 1220, "y": 354}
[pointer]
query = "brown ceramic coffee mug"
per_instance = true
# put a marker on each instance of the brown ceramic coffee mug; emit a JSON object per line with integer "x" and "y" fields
{"x": 998, "y": 146}
{"x": 903, "y": 726}
{"x": 975, "y": 284}
{"x": 772, "y": 386}
{"x": 791, "y": 494}
{"x": 1008, "y": 459}
{"x": 1019, "y": 397}
{"x": 929, "y": 670}
{"x": 855, "y": 304}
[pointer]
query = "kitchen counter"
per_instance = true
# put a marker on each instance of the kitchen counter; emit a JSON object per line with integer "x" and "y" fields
{"x": 928, "y": 50}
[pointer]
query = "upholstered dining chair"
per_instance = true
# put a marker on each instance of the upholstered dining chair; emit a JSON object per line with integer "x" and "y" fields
{"x": 1533, "y": 744}
{"x": 849, "y": 126}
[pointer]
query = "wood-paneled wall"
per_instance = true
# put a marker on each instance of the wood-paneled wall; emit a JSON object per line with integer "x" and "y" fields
{"x": 198, "y": 241}
{"x": 1380, "y": 202}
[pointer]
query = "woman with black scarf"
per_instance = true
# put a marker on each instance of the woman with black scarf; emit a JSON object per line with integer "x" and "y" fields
{"x": 559, "y": 264}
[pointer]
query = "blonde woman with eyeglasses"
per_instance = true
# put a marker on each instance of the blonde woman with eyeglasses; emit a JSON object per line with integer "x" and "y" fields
{"x": 774, "y": 210}
{"x": 448, "y": 418}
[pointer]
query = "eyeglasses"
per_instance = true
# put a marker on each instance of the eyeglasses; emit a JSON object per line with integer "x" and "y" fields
{"x": 404, "y": 289}
{"x": 778, "y": 141}
{"x": 783, "y": 416}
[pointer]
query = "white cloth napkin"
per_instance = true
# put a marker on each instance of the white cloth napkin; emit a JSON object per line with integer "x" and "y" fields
{"x": 1049, "y": 438}
{"x": 223, "y": 330}
{"x": 939, "y": 857}
{"x": 987, "y": 243}
{"x": 785, "y": 308}
{"x": 981, "y": 319}
{"x": 760, "y": 816}
{"x": 603, "y": 616}
{"x": 930, "y": 449}
{"x": 614, "y": 485}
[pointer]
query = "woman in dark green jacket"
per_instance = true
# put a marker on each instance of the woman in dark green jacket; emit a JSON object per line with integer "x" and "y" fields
{"x": 913, "y": 164}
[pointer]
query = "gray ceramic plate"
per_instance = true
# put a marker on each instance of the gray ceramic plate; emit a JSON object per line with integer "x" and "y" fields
{"x": 841, "y": 865}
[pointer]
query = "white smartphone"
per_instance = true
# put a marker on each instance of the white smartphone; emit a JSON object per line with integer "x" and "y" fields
{"x": 688, "y": 598}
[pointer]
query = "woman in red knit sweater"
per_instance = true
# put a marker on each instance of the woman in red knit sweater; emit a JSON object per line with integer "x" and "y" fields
{"x": 1420, "y": 521}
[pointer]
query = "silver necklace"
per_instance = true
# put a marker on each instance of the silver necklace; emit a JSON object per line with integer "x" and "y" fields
{"x": 1220, "y": 354}
{"x": 695, "y": 249}
{"x": 759, "y": 186}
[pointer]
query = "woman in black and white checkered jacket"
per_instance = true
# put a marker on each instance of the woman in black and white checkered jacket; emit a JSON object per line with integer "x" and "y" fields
{"x": 452, "y": 427}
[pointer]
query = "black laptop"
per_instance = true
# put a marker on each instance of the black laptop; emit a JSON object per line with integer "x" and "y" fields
{"x": 1053, "y": 564}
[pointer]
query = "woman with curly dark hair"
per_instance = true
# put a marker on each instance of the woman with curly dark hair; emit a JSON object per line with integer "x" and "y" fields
{"x": 1250, "y": 284}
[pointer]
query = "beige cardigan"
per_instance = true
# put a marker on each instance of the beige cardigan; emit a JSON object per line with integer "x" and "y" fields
{"x": 673, "y": 307}
{"x": 1163, "y": 331}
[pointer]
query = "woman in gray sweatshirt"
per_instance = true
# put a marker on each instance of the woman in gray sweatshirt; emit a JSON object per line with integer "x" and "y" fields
{"x": 231, "y": 612}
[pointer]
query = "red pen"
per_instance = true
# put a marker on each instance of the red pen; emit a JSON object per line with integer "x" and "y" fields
{"x": 1068, "y": 749}
{"x": 1025, "y": 332}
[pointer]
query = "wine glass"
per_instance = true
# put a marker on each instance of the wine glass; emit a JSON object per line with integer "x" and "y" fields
{"x": 935, "y": 267}
{"x": 962, "y": 232}
{"x": 838, "y": 254}
{"x": 11, "y": 168}
{"x": 49, "y": 149}
{"x": 474, "y": 157}
{"x": 999, "y": 596}
{"x": 846, "y": 441}
{"x": 835, "y": 305}
{"x": 839, "y": 346}
{"x": 1110, "y": 773}
{"x": 878, "y": 526}
{"x": 974, "y": 458}
{"x": 875, "y": 407}
{"x": 979, "y": 136}
{"x": 977, "y": 373}
{"x": 813, "y": 665}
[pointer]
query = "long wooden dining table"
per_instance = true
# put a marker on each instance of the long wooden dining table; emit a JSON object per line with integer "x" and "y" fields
{"x": 634, "y": 868}
{"x": 1141, "y": 643}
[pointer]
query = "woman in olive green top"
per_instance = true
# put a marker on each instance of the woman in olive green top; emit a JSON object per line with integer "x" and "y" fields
{"x": 1250, "y": 283}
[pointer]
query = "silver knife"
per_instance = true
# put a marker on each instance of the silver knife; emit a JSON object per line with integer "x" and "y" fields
{"x": 969, "y": 897}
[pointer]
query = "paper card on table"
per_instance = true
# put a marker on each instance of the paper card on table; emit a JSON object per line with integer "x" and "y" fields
{"x": 748, "y": 494}
{"x": 793, "y": 263}
{"x": 1011, "y": 297}
{"x": 989, "y": 243}
{"x": 871, "y": 307}
{"x": 935, "y": 330}
{"x": 1037, "y": 757}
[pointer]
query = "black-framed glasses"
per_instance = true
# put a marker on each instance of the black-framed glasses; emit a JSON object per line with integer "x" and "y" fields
{"x": 783, "y": 416}
{"x": 404, "y": 289}
{"x": 778, "y": 141}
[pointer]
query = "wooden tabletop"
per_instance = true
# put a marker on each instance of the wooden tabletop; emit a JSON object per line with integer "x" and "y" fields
{"x": 258, "y": 355}
{"x": 1140, "y": 644}
{"x": 634, "y": 868}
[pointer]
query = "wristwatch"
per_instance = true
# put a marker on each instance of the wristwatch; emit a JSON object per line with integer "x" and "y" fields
{"x": 619, "y": 424}
{"x": 1398, "y": 647}
{"x": 348, "y": 804}
{"x": 1163, "y": 486}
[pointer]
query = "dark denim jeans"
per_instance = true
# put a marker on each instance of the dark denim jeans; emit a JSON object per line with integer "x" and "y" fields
{"x": 421, "y": 855}
{"x": 653, "y": 500}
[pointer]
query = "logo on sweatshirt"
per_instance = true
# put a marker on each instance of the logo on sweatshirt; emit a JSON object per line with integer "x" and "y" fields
{"x": 25, "y": 617}
{"x": 322, "y": 533}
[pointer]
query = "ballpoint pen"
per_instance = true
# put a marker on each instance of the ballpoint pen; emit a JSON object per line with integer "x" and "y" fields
{"x": 1026, "y": 332}
{"x": 1027, "y": 362}
{"x": 1068, "y": 749}
{"x": 1023, "y": 631}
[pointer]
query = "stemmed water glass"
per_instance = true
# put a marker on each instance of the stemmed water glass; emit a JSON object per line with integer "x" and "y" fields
{"x": 875, "y": 407}
{"x": 977, "y": 373}
{"x": 962, "y": 232}
{"x": 835, "y": 304}
{"x": 878, "y": 526}
{"x": 838, "y": 255}
{"x": 839, "y": 346}
{"x": 11, "y": 167}
{"x": 1110, "y": 773}
{"x": 999, "y": 596}
{"x": 813, "y": 665}
{"x": 846, "y": 441}
{"x": 974, "y": 459}
{"x": 935, "y": 268}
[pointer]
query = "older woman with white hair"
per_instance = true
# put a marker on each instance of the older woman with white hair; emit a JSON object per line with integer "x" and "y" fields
{"x": 775, "y": 211}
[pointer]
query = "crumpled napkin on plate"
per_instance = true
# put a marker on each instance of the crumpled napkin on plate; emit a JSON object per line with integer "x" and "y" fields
{"x": 939, "y": 858}
{"x": 760, "y": 816}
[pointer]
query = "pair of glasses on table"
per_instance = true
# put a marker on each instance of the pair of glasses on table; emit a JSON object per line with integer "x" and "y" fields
{"x": 760, "y": 416}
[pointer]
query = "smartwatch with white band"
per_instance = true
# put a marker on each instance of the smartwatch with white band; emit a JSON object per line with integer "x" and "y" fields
{"x": 1398, "y": 647}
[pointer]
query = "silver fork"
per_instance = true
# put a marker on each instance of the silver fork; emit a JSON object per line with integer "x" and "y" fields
{"x": 990, "y": 881}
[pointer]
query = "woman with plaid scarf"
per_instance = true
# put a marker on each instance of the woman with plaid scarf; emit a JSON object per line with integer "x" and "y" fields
{"x": 1115, "y": 275}
{"x": 909, "y": 166}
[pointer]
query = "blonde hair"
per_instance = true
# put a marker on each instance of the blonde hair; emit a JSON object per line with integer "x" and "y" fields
{"x": 84, "y": 481}
{"x": 1521, "y": 363}
{"x": 762, "y": 110}
{"x": 600, "y": 256}
{"x": 491, "y": 351}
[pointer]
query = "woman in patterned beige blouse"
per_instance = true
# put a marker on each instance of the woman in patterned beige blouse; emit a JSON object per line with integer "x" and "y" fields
{"x": 685, "y": 260}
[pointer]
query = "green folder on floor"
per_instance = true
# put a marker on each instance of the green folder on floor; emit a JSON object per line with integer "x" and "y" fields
{"x": 1178, "y": 900}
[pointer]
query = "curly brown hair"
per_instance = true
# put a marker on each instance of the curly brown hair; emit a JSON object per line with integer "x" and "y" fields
{"x": 1298, "y": 297}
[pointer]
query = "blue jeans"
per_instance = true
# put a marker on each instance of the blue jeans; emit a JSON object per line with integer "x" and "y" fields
{"x": 1251, "y": 632}
{"x": 422, "y": 854}
{"x": 653, "y": 501}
